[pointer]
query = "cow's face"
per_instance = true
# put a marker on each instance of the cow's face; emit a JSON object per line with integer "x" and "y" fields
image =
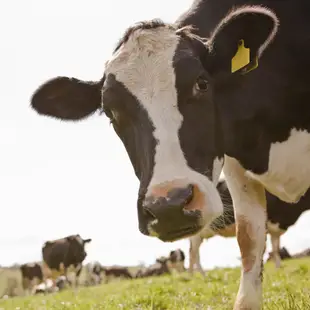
{"x": 158, "y": 91}
{"x": 176, "y": 259}
{"x": 77, "y": 246}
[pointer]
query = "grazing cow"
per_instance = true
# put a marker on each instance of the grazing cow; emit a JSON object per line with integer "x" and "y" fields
{"x": 284, "y": 254}
{"x": 176, "y": 260}
{"x": 32, "y": 275}
{"x": 281, "y": 216}
{"x": 223, "y": 85}
{"x": 159, "y": 268}
{"x": 64, "y": 255}
{"x": 116, "y": 272}
{"x": 93, "y": 273}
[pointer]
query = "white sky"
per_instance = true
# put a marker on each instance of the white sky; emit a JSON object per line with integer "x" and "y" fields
{"x": 60, "y": 178}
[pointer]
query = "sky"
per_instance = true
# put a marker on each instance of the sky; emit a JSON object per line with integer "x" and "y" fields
{"x": 59, "y": 178}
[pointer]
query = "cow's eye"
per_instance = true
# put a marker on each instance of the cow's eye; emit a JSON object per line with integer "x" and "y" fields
{"x": 201, "y": 85}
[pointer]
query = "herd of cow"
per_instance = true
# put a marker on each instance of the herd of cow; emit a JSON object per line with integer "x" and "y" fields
{"x": 66, "y": 255}
{"x": 224, "y": 87}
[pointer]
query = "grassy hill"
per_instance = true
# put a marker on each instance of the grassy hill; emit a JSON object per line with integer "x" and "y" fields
{"x": 284, "y": 289}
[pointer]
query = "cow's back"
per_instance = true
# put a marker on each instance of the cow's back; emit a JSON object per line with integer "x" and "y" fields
{"x": 54, "y": 253}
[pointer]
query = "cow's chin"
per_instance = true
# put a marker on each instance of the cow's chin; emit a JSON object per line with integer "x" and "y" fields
{"x": 180, "y": 234}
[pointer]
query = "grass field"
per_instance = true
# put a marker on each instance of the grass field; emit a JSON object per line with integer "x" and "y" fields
{"x": 284, "y": 289}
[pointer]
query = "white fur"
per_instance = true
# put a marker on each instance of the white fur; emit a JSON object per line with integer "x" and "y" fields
{"x": 91, "y": 277}
{"x": 275, "y": 233}
{"x": 248, "y": 202}
{"x": 288, "y": 175}
{"x": 217, "y": 169}
{"x": 275, "y": 243}
{"x": 194, "y": 254}
{"x": 144, "y": 65}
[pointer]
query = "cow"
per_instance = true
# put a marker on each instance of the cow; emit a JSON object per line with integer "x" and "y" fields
{"x": 116, "y": 272}
{"x": 281, "y": 216}
{"x": 64, "y": 255}
{"x": 93, "y": 273}
{"x": 284, "y": 254}
{"x": 161, "y": 267}
{"x": 49, "y": 286}
{"x": 224, "y": 86}
{"x": 176, "y": 260}
{"x": 32, "y": 275}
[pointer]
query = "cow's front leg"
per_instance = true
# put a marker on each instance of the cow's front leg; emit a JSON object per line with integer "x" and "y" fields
{"x": 250, "y": 211}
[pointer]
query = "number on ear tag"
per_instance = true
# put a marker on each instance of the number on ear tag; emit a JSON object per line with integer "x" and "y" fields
{"x": 241, "y": 59}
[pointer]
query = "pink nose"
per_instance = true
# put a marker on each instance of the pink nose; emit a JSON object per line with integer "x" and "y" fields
{"x": 174, "y": 209}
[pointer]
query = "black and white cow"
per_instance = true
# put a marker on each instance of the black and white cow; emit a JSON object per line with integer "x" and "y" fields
{"x": 64, "y": 255}
{"x": 93, "y": 273}
{"x": 284, "y": 254}
{"x": 280, "y": 215}
{"x": 233, "y": 90}
{"x": 161, "y": 267}
{"x": 177, "y": 260}
{"x": 32, "y": 275}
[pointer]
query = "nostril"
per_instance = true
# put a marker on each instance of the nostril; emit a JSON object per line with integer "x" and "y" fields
{"x": 176, "y": 199}
{"x": 181, "y": 196}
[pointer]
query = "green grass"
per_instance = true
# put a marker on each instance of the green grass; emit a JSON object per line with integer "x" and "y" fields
{"x": 284, "y": 289}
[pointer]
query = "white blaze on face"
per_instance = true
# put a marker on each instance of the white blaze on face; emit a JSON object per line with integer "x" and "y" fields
{"x": 144, "y": 65}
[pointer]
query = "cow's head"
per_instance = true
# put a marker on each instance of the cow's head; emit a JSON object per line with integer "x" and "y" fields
{"x": 158, "y": 92}
{"x": 176, "y": 259}
{"x": 77, "y": 246}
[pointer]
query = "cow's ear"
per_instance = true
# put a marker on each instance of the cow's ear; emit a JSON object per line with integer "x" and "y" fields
{"x": 239, "y": 40}
{"x": 87, "y": 240}
{"x": 67, "y": 98}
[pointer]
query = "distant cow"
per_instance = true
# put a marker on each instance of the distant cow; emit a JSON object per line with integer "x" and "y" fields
{"x": 48, "y": 286}
{"x": 281, "y": 216}
{"x": 63, "y": 255}
{"x": 116, "y": 272}
{"x": 93, "y": 273}
{"x": 284, "y": 254}
{"x": 31, "y": 276}
{"x": 159, "y": 268}
{"x": 176, "y": 260}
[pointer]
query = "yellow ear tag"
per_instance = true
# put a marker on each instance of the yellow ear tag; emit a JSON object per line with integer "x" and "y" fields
{"x": 241, "y": 59}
